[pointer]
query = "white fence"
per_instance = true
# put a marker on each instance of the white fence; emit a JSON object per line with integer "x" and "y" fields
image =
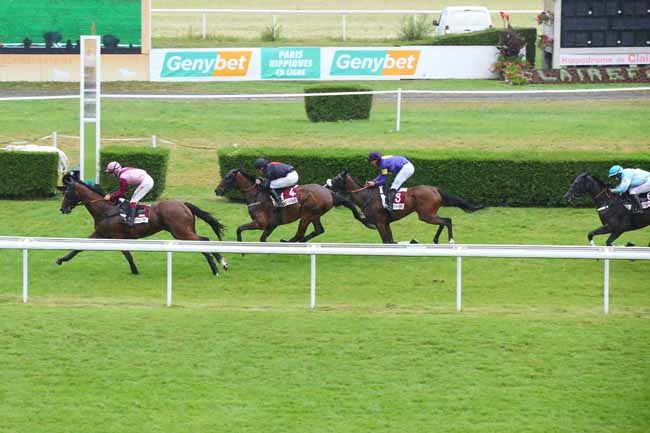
{"x": 417, "y": 250}
{"x": 344, "y": 13}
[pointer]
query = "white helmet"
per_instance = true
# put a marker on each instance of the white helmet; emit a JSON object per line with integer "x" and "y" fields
{"x": 113, "y": 167}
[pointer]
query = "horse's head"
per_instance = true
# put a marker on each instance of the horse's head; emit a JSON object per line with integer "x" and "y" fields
{"x": 582, "y": 185}
{"x": 227, "y": 183}
{"x": 70, "y": 196}
{"x": 337, "y": 184}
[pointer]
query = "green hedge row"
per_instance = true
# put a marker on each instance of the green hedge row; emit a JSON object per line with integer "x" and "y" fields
{"x": 154, "y": 161}
{"x": 335, "y": 108}
{"x": 489, "y": 37}
{"x": 28, "y": 174}
{"x": 506, "y": 179}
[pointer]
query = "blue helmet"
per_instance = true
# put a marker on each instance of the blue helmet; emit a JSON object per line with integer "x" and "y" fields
{"x": 374, "y": 156}
{"x": 615, "y": 170}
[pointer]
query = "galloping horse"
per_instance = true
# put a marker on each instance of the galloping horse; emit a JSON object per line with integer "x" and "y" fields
{"x": 613, "y": 214}
{"x": 313, "y": 201}
{"x": 423, "y": 199}
{"x": 173, "y": 216}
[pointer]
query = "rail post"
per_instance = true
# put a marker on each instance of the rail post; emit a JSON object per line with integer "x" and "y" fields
{"x": 312, "y": 302}
{"x": 204, "y": 26}
{"x": 55, "y": 139}
{"x": 343, "y": 27}
{"x": 169, "y": 278}
{"x": 25, "y": 274}
{"x": 275, "y": 21}
{"x": 459, "y": 282}
{"x": 154, "y": 141}
{"x": 606, "y": 288}
{"x": 399, "y": 109}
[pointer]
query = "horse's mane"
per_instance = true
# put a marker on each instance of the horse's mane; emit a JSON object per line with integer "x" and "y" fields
{"x": 596, "y": 179}
{"x": 247, "y": 176}
{"x": 95, "y": 189}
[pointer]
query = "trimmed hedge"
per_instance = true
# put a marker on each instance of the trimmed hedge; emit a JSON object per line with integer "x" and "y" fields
{"x": 489, "y": 37}
{"x": 499, "y": 179}
{"x": 154, "y": 161}
{"x": 335, "y": 108}
{"x": 28, "y": 174}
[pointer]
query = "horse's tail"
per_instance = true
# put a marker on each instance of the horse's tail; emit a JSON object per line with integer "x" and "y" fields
{"x": 452, "y": 200}
{"x": 205, "y": 216}
{"x": 342, "y": 201}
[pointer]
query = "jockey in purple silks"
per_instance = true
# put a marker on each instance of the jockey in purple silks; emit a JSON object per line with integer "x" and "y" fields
{"x": 388, "y": 164}
{"x": 129, "y": 176}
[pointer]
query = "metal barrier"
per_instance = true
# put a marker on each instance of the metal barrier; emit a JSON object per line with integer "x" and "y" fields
{"x": 417, "y": 250}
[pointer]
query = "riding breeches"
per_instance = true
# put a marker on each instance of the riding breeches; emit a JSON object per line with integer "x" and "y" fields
{"x": 403, "y": 175}
{"x": 283, "y": 182}
{"x": 142, "y": 189}
{"x": 644, "y": 187}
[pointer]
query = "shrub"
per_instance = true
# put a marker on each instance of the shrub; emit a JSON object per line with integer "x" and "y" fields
{"x": 488, "y": 37}
{"x": 271, "y": 33}
{"x": 497, "y": 179}
{"x": 52, "y": 38}
{"x": 411, "y": 30}
{"x": 334, "y": 108}
{"x": 110, "y": 41}
{"x": 154, "y": 161}
{"x": 28, "y": 174}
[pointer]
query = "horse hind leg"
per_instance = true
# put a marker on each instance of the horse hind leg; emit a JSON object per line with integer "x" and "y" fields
{"x": 129, "y": 258}
{"x": 194, "y": 237}
{"x": 441, "y": 222}
{"x": 67, "y": 257}
{"x": 318, "y": 230}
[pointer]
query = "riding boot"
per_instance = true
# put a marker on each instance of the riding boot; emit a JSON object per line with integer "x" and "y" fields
{"x": 636, "y": 203}
{"x": 390, "y": 197}
{"x": 130, "y": 217}
{"x": 276, "y": 196}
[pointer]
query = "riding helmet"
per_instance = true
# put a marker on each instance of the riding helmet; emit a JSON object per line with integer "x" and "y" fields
{"x": 113, "y": 166}
{"x": 615, "y": 170}
{"x": 260, "y": 162}
{"x": 374, "y": 156}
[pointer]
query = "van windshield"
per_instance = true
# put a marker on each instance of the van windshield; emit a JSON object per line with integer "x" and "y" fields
{"x": 469, "y": 19}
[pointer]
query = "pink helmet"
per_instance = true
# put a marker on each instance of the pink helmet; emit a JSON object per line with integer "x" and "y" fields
{"x": 113, "y": 167}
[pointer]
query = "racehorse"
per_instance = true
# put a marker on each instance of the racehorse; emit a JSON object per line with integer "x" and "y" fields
{"x": 423, "y": 199}
{"x": 173, "y": 216}
{"x": 613, "y": 214}
{"x": 313, "y": 201}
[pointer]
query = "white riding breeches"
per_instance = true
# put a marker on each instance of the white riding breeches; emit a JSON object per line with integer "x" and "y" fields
{"x": 644, "y": 187}
{"x": 142, "y": 189}
{"x": 402, "y": 176}
{"x": 284, "y": 182}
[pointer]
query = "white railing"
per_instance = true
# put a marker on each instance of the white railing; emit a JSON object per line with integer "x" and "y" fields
{"x": 343, "y": 12}
{"x": 398, "y": 93}
{"x": 417, "y": 250}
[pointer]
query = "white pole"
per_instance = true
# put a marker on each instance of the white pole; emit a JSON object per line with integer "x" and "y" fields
{"x": 459, "y": 283}
{"x": 154, "y": 141}
{"x": 55, "y": 139}
{"x": 343, "y": 27}
{"x": 169, "y": 278}
{"x": 25, "y": 275}
{"x": 415, "y": 22}
{"x": 82, "y": 114}
{"x": 98, "y": 109}
{"x": 204, "y": 29}
{"x": 274, "y": 24}
{"x": 313, "y": 281}
{"x": 399, "y": 108}
{"x": 606, "y": 290}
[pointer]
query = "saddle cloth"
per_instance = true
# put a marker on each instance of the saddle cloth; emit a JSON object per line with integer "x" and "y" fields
{"x": 398, "y": 201}
{"x": 289, "y": 196}
{"x": 644, "y": 198}
{"x": 141, "y": 212}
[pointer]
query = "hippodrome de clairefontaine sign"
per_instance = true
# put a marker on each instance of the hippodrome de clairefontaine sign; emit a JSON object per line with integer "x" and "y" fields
{"x": 607, "y": 74}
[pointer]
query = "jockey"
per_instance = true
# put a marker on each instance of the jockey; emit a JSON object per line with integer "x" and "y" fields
{"x": 398, "y": 165}
{"x": 276, "y": 176}
{"x": 129, "y": 176}
{"x": 633, "y": 180}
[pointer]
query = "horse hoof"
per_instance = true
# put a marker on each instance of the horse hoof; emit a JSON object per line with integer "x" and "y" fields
{"x": 226, "y": 267}
{"x": 283, "y": 240}
{"x": 452, "y": 242}
{"x": 59, "y": 262}
{"x": 592, "y": 243}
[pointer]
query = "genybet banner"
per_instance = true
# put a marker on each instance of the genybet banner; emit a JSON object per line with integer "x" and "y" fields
{"x": 325, "y": 63}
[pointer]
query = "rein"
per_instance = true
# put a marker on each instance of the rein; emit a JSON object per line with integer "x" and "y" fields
{"x": 360, "y": 189}
{"x": 602, "y": 191}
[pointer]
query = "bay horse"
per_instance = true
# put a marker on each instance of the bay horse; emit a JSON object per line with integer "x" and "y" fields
{"x": 313, "y": 201}
{"x": 614, "y": 216}
{"x": 174, "y": 216}
{"x": 423, "y": 199}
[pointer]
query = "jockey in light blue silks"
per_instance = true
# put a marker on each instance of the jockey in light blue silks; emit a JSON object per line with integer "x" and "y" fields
{"x": 634, "y": 180}
{"x": 402, "y": 167}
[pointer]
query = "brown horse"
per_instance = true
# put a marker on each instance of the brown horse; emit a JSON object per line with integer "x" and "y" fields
{"x": 172, "y": 215}
{"x": 313, "y": 201}
{"x": 423, "y": 199}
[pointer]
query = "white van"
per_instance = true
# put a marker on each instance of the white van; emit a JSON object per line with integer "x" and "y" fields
{"x": 461, "y": 19}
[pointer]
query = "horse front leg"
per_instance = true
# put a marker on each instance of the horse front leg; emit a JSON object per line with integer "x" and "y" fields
{"x": 599, "y": 231}
{"x": 129, "y": 258}
{"x": 72, "y": 253}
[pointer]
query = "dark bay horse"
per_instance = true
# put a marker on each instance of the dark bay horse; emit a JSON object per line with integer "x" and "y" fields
{"x": 613, "y": 214}
{"x": 423, "y": 199}
{"x": 313, "y": 201}
{"x": 173, "y": 216}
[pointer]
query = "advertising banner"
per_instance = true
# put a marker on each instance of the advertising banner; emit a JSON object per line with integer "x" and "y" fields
{"x": 326, "y": 63}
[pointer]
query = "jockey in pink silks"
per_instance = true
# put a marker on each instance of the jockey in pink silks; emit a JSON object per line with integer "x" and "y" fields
{"x": 129, "y": 176}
